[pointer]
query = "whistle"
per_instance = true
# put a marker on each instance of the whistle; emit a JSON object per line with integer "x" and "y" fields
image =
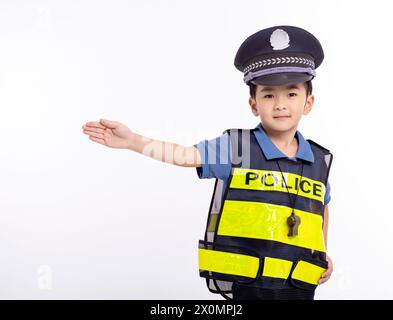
{"x": 293, "y": 222}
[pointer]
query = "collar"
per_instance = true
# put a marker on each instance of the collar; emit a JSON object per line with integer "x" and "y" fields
{"x": 270, "y": 151}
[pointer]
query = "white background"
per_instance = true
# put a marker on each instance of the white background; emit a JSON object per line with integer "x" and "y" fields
{"x": 80, "y": 220}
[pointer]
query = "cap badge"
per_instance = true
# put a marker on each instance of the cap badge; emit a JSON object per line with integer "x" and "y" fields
{"x": 279, "y": 39}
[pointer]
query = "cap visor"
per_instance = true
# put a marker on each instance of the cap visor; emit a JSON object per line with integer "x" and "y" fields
{"x": 279, "y": 79}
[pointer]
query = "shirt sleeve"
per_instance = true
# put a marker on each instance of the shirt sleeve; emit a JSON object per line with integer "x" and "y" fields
{"x": 327, "y": 194}
{"x": 216, "y": 157}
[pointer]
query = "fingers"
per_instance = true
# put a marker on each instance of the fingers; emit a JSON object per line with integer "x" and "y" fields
{"x": 326, "y": 275}
{"x": 94, "y": 134}
{"x": 93, "y": 124}
{"x": 108, "y": 123}
{"x": 101, "y": 141}
{"x": 92, "y": 129}
{"x": 102, "y": 124}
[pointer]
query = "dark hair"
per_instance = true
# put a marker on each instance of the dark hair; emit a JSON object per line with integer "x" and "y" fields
{"x": 253, "y": 88}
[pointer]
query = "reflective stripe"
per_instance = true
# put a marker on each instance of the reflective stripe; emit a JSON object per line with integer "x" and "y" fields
{"x": 228, "y": 263}
{"x": 212, "y": 222}
{"x": 307, "y": 272}
{"x": 268, "y": 180}
{"x": 276, "y": 268}
{"x": 247, "y": 266}
{"x": 267, "y": 221}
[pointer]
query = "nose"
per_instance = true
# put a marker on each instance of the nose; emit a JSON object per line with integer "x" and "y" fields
{"x": 279, "y": 103}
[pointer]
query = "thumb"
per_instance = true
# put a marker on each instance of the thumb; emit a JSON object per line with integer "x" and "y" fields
{"x": 108, "y": 123}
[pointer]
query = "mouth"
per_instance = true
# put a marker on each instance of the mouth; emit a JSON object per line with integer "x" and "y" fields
{"x": 281, "y": 117}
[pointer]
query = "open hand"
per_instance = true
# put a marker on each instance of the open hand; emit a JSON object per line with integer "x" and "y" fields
{"x": 112, "y": 134}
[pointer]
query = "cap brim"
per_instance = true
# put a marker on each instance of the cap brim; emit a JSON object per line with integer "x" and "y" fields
{"x": 279, "y": 79}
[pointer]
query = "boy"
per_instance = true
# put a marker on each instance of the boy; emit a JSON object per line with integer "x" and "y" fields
{"x": 268, "y": 219}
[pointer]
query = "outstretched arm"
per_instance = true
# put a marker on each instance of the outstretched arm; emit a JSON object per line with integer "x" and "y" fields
{"x": 114, "y": 134}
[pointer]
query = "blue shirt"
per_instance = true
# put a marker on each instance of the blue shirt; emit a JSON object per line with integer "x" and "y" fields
{"x": 216, "y": 155}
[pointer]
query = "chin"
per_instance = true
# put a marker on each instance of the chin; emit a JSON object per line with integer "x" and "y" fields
{"x": 280, "y": 126}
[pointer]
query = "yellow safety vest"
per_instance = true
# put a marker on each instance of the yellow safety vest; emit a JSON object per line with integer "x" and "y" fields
{"x": 246, "y": 238}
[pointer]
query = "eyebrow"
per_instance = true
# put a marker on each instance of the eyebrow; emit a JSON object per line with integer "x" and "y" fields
{"x": 294, "y": 86}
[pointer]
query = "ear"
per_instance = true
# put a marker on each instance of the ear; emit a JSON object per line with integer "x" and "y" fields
{"x": 309, "y": 104}
{"x": 253, "y": 106}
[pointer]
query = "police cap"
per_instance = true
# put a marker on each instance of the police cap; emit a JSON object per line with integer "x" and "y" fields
{"x": 281, "y": 55}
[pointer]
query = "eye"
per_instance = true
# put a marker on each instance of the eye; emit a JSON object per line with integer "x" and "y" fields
{"x": 292, "y": 94}
{"x": 268, "y": 96}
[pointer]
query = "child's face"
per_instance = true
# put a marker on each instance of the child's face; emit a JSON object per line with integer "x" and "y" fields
{"x": 280, "y": 108}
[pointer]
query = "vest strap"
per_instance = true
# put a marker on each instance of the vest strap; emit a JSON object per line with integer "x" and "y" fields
{"x": 228, "y": 263}
{"x": 307, "y": 272}
{"x": 302, "y": 274}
